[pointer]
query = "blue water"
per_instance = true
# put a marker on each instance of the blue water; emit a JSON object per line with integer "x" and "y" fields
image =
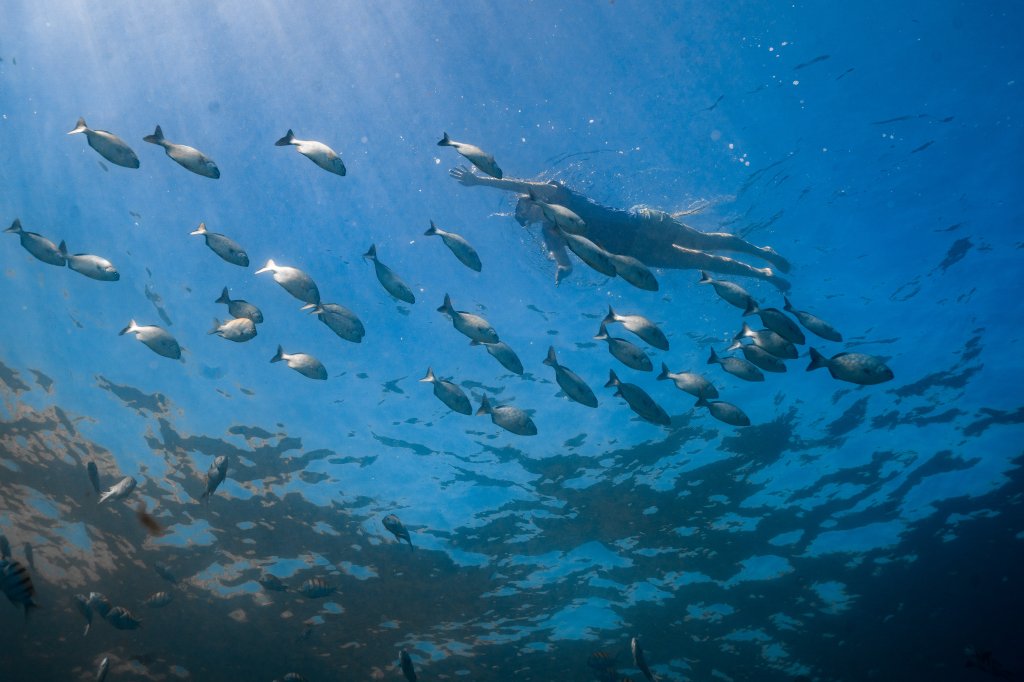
{"x": 850, "y": 533}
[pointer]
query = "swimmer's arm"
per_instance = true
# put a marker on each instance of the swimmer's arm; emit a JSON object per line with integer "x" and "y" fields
{"x": 468, "y": 178}
{"x": 555, "y": 245}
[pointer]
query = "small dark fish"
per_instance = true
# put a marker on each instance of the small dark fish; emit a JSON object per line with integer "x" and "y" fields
{"x": 448, "y": 393}
{"x": 148, "y": 521}
{"x": 758, "y": 357}
{"x": 638, "y": 400}
{"x": 624, "y": 351}
{"x": 770, "y": 341}
{"x": 99, "y": 603}
{"x": 407, "y": 669}
{"x": 16, "y": 584}
{"x": 164, "y": 572}
{"x": 158, "y": 600}
{"x": 510, "y": 418}
{"x": 639, "y": 661}
{"x": 813, "y": 323}
{"x": 713, "y": 106}
{"x": 5, "y": 547}
{"x": 777, "y": 321}
{"x": 391, "y": 282}
{"x": 601, "y": 661}
{"x": 737, "y": 367}
{"x": 272, "y": 582}
{"x": 694, "y": 384}
{"x": 397, "y": 528}
{"x": 122, "y": 619}
{"x": 238, "y": 308}
{"x": 215, "y": 476}
{"x": 927, "y": 144}
{"x": 82, "y": 604}
{"x": 315, "y": 588}
{"x": 819, "y": 58}
{"x": 570, "y": 382}
{"x": 94, "y": 476}
{"x": 101, "y": 672}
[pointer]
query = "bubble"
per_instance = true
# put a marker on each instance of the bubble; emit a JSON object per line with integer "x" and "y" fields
{"x": 732, "y": 146}
{"x": 716, "y": 135}
{"x": 796, "y": 82}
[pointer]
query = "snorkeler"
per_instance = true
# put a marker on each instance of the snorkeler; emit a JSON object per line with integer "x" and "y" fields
{"x": 655, "y": 238}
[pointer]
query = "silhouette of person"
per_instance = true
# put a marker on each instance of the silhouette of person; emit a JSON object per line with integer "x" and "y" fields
{"x": 653, "y": 237}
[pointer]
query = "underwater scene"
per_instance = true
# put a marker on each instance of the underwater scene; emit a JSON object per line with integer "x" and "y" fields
{"x": 610, "y": 341}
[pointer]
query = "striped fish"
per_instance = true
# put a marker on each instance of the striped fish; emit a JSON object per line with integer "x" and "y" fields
{"x": 82, "y": 604}
{"x": 314, "y": 588}
{"x": 122, "y": 619}
{"x": 17, "y": 585}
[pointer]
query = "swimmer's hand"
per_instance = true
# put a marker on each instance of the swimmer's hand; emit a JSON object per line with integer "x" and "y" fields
{"x": 465, "y": 176}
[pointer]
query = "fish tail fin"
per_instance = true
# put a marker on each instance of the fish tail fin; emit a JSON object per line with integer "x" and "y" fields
{"x": 610, "y": 317}
{"x": 371, "y": 253}
{"x": 224, "y": 297}
{"x": 602, "y": 333}
{"x": 744, "y": 331}
{"x": 787, "y": 306}
{"x": 199, "y": 230}
{"x": 63, "y": 248}
{"x": 132, "y": 325}
{"x": 216, "y": 326}
{"x": 735, "y": 344}
{"x": 446, "y": 307}
{"x": 429, "y": 378}
{"x": 80, "y": 127}
{"x": 288, "y": 138}
{"x": 817, "y": 360}
{"x": 313, "y": 308}
{"x": 705, "y": 278}
{"x": 713, "y": 358}
{"x": 485, "y": 406}
{"x": 445, "y": 141}
{"x": 701, "y": 402}
{"x": 279, "y": 355}
{"x": 86, "y": 631}
{"x": 664, "y": 372}
{"x": 156, "y": 138}
{"x": 613, "y": 380}
{"x": 551, "y": 360}
{"x": 15, "y": 226}
{"x": 432, "y": 230}
{"x": 269, "y": 267}
{"x": 751, "y": 309}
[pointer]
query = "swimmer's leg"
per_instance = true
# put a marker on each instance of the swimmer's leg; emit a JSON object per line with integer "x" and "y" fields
{"x": 692, "y": 259}
{"x": 689, "y": 238}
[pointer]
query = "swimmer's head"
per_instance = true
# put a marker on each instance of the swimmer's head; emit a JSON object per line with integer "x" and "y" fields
{"x": 527, "y": 212}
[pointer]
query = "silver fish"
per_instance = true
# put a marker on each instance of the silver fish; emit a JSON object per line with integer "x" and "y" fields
{"x": 94, "y": 476}
{"x": 458, "y": 245}
{"x": 101, "y": 672}
{"x": 770, "y": 341}
{"x": 737, "y": 367}
{"x": 164, "y": 572}
{"x": 158, "y": 339}
{"x": 93, "y": 267}
{"x": 813, "y": 323}
{"x": 99, "y": 603}
{"x": 397, "y": 528}
{"x": 108, "y": 145}
{"x": 239, "y": 329}
{"x": 625, "y": 352}
{"x": 639, "y": 661}
{"x": 777, "y": 321}
{"x": 448, "y": 393}
{"x": 759, "y": 357}
{"x": 504, "y": 354}
{"x": 641, "y": 326}
{"x": 316, "y": 588}
{"x": 590, "y": 253}
{"x": 391, "y": 282}
{"x": 634, "y": 272}
{"x": 158, "y": 600}
{"x": 730, "y": 292}
{"x": 473, "y": 326}
{"x": 317, "y": 152}
{"x": 37, "y": 245}
{"x": 223, "y": 246}
{"x": 565, "y": 219}
{"x": 16, "y": 584}
{"x": 215, "y": 475}
{"x": 694, "y": 384}
{"x": 340, "y": 320}
{"x": 476, "y": 156}
{"x": 857, "y": 368}
{"x": 82, "y": 604}
{"x": 407, "y": 668}
{"x": 570, "y": 382}
{"x": 639, "y": 401}
{"x": 239, "y": 308}
{"x": 123, "y": 619}
{"x": 510, "y": 418}
{"x": 188, "y": 157}
{"x": 304, "y": 364}
{"x": 294, "y": 281}
{"x": 724, "y": 412}
{"x": 120, "y": 490}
